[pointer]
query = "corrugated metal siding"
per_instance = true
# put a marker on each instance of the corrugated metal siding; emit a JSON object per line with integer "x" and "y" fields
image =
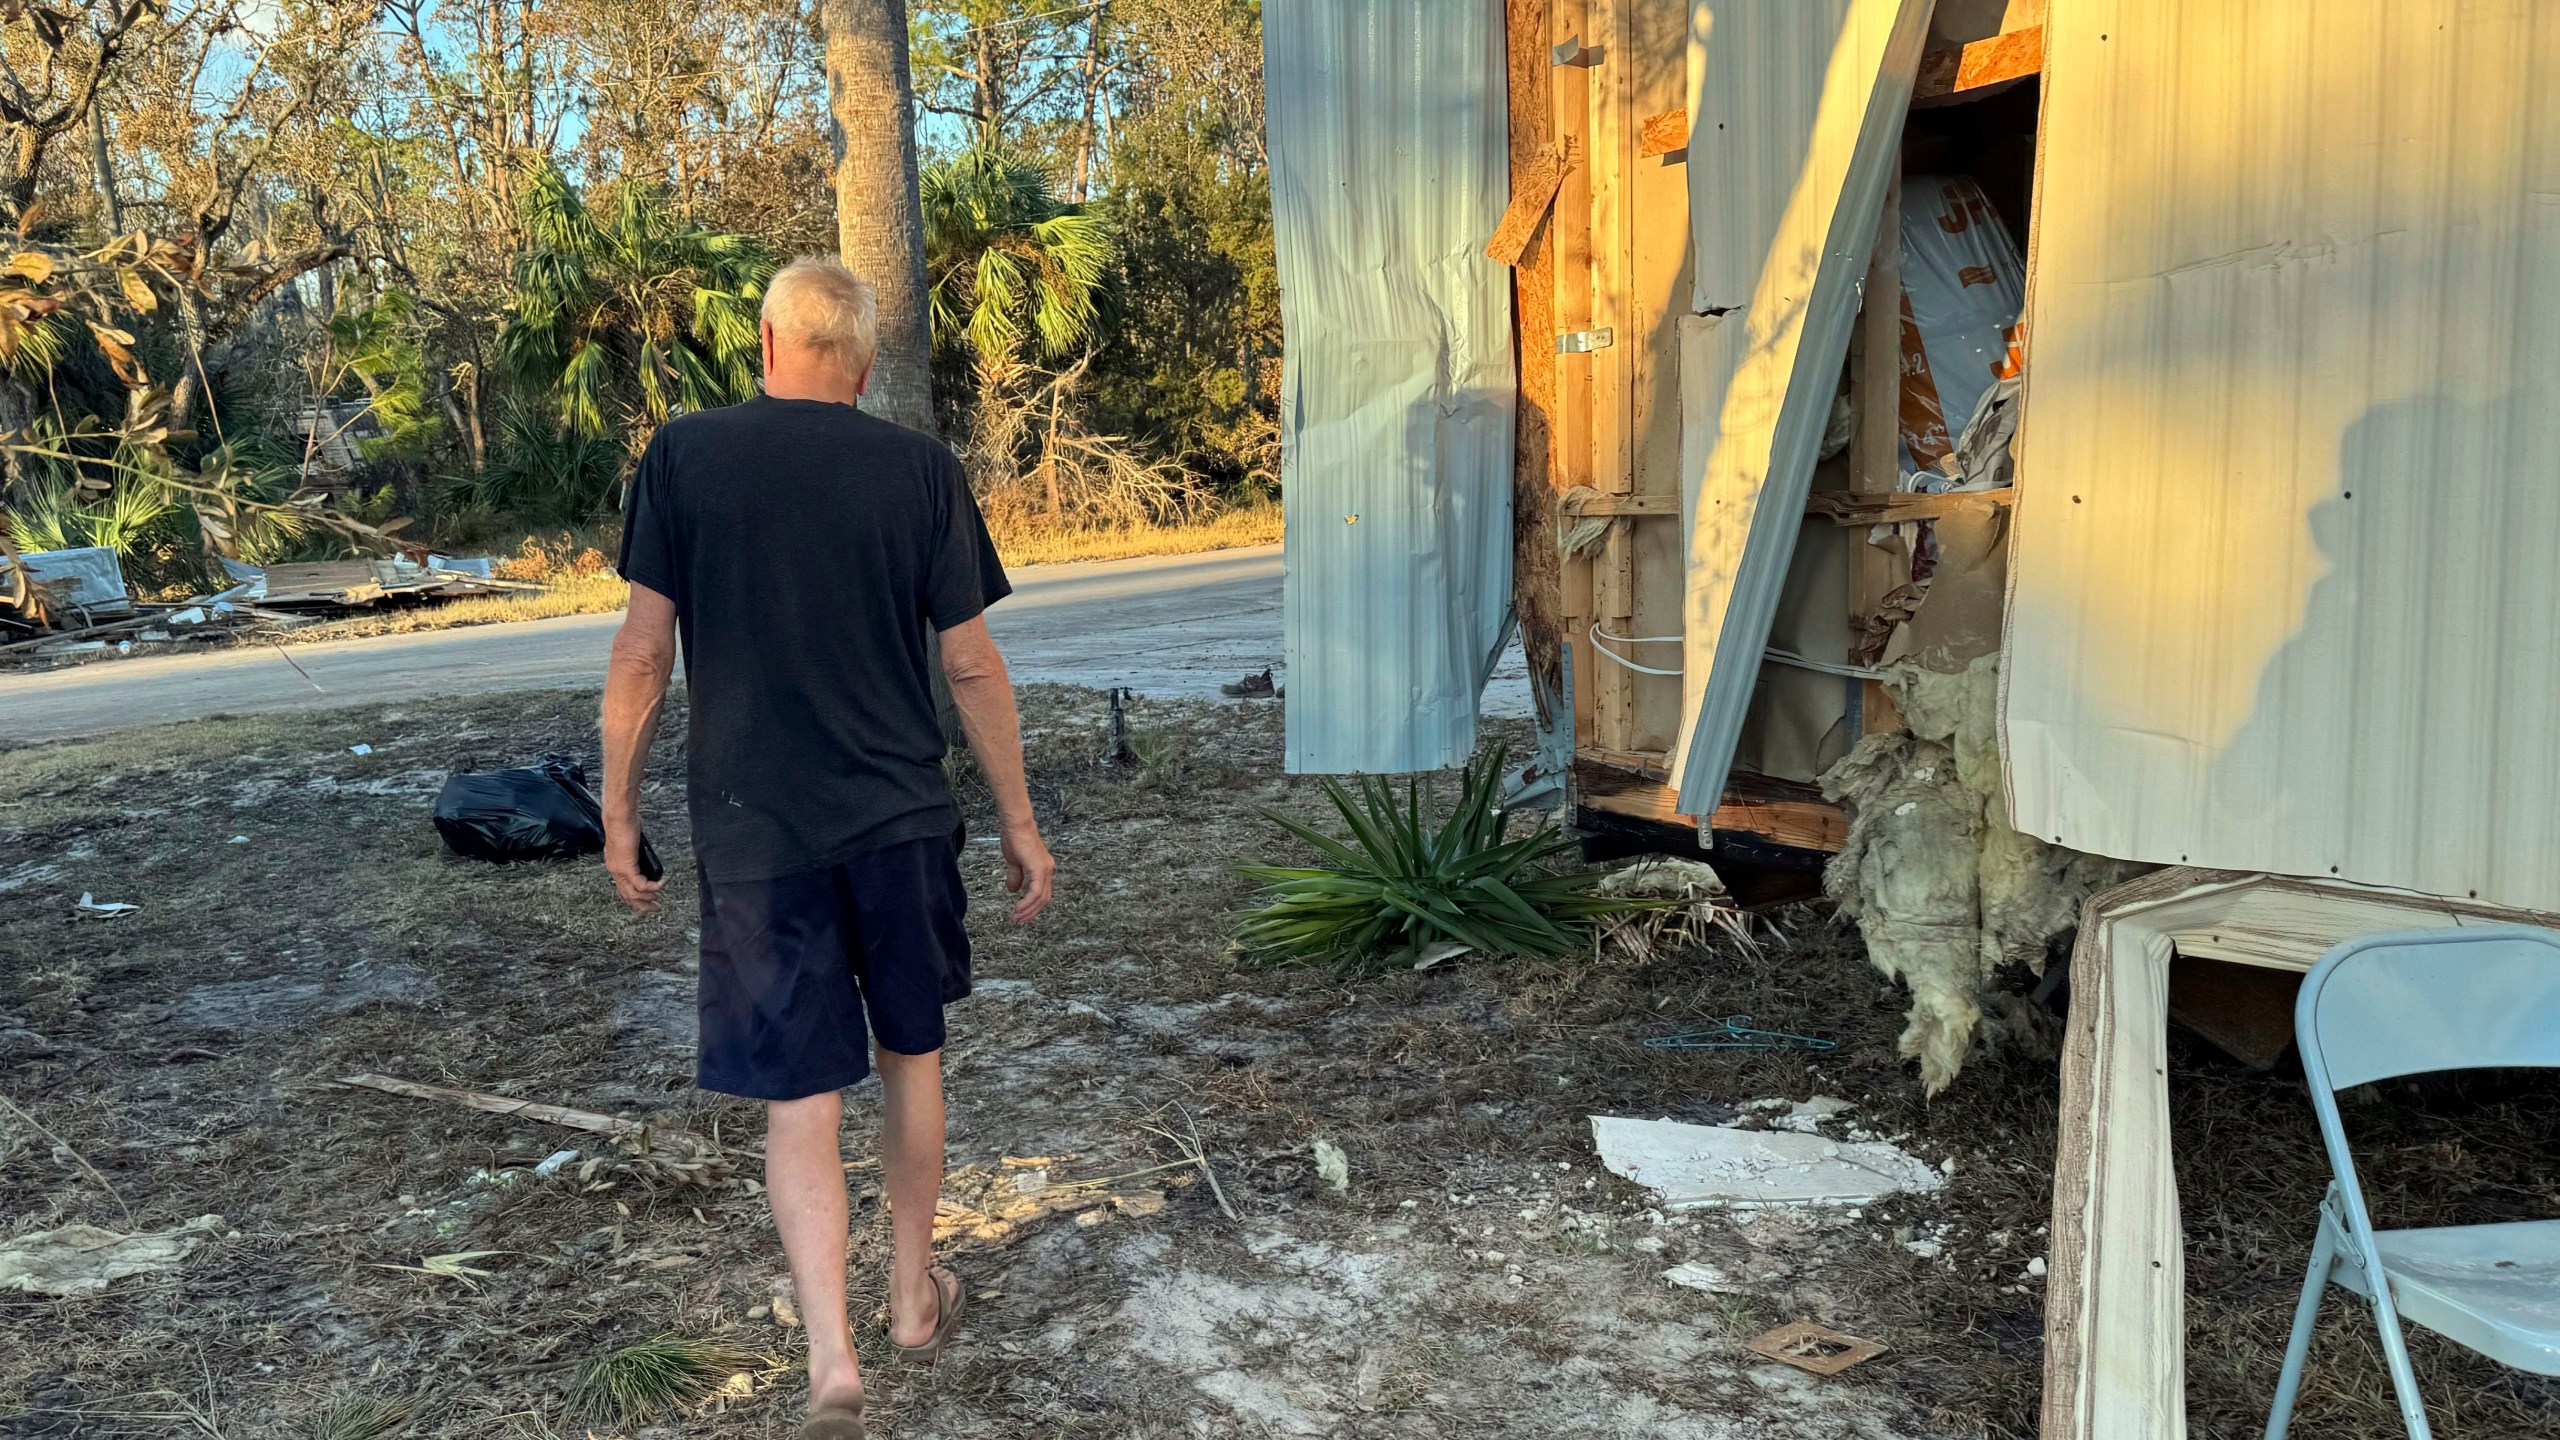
{"x": 2283, "y": 591}
{"x": 1798, "y": 111}
{"x": 1389, "y": 168}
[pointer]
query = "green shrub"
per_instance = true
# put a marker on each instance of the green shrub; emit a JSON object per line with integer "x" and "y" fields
{"x": 1410, "y": 880}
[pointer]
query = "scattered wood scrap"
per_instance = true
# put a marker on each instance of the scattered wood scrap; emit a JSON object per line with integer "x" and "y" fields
{"x": 984, "y": 1206}
{"x": 674, "y": 1156}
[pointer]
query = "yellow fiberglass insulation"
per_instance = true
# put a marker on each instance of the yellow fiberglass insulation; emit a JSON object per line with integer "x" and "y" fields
{"x": 1942, "y": 889}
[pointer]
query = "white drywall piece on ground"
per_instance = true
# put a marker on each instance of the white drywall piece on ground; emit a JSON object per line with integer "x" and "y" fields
{"x": 1695, "y": 1166}
{"x": 83, "y": 1259}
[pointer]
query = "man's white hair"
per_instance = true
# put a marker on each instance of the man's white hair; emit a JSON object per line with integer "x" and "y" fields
{"x": 815, "y": 301}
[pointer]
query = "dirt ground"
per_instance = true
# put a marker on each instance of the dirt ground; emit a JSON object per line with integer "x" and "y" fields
{"x": 1480, "y": 1276}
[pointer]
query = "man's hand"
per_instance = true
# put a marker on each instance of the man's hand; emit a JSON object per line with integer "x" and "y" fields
{"x": 622, "y": 862}
{"x": 635, "y": 685}
{"x": 1028, "y": 871}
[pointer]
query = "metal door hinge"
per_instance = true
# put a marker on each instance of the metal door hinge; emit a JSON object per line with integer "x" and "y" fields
{"x": 1583, "y": 342}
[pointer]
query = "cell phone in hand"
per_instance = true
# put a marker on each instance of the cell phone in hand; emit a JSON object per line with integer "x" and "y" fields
{"x": 650, "y": 868}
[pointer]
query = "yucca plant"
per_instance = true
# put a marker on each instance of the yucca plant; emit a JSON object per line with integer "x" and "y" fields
{"x": 1410, "y": 880}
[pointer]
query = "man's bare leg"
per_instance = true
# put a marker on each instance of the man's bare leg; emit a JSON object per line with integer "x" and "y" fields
{"x": 911, "y": 1157}
{"x": 804, "y": 1177}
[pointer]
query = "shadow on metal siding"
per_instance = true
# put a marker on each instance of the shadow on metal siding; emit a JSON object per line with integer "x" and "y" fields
{"x": 1389, "y": 168}
{"x": 2283, "y": 595}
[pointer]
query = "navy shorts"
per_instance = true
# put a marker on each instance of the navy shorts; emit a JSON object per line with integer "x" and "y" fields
{"x": 792, "y": 967}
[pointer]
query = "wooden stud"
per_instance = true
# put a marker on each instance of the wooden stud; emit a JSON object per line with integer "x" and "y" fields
{"x": 1875, "y": 447}
{"x": 1656, "y": 505}
{"x": 1570, "y": 245}
{"x": 1861, "y": 507}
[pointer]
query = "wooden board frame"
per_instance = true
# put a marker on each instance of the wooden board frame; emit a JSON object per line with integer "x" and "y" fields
{"x": 2115, "y": 1304}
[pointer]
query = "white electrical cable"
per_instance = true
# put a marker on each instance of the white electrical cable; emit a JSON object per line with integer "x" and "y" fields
{"x": 1598, "y": 635}
{"x": 1853, "y": 672}
{"x": 1782, "y": 657}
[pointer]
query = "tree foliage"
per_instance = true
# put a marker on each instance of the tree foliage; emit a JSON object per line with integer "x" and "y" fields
{"x": 623, "y": 317}
{"x": 517, "y": 234}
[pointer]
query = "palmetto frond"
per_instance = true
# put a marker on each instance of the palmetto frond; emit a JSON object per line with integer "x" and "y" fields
{"x": 1007, "y": 258}
{"x": 627, "y": 311}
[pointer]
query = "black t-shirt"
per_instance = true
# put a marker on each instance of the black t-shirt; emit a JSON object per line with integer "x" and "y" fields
{"x": 806, "y": 546}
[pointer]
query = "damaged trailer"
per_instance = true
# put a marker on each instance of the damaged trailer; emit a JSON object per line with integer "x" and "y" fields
{"x": 2042, "y": 463}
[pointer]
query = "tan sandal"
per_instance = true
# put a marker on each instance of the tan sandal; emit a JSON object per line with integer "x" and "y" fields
{"x": 953, "y": 1297}
{"x": 835, "y": 1421}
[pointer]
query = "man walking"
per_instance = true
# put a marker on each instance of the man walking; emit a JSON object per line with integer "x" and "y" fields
{"x": 801, "y": 549}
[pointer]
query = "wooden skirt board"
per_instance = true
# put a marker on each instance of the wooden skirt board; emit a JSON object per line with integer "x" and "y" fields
{"x": 2115, "y": 1306}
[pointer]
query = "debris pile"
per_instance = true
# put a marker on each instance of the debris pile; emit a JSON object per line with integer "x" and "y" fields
{"x": 63, "y": 603}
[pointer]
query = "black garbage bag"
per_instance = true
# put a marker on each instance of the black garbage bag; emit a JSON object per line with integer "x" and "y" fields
{"x": 541, "y": 811}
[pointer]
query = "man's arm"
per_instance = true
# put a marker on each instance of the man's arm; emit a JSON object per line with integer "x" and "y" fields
{"x": 983, "y": 694}
{"x": 635, "y": 689}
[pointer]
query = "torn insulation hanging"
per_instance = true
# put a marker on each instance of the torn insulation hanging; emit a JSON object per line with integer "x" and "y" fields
{"x": 1943, "y": 890}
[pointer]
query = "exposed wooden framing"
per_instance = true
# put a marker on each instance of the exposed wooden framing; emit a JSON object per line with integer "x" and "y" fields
{"x": 2115, "y": 1331}
{"x": 2013, "y": 56}
{"x": 1777, "y": 812}
{"x": 1569, "y": 248}
{"x": 1863, "y": 507}
{"x": 1538, "y": 592}
{"x": 1612, "y": 151}
{"x": 1875, "y": 447}
{"x": 1622, "y": 505}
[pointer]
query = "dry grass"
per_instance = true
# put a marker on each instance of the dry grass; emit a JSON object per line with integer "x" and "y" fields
{"x": 184, "y": 1052}
{"x": 1035, "y": 542}
{"x": 576, "y": 568}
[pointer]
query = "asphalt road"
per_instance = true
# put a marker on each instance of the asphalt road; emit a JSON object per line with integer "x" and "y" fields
{"x": 1175, "y": 625}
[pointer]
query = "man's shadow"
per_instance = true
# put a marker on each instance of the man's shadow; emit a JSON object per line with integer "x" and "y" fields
{"x": 2410, "y": 727}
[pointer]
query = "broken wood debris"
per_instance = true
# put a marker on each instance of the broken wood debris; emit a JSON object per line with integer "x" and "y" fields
{"x": 1530, "y": 201}
{"x": 650, "y": 1152}
{"x": 985, "y": 1206}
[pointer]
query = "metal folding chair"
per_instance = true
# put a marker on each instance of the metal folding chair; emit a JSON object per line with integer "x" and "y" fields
{"x": 2392, "y": 1005}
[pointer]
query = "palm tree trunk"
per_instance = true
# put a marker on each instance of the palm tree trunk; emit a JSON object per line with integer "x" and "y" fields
{"x": 879, "y": 225}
